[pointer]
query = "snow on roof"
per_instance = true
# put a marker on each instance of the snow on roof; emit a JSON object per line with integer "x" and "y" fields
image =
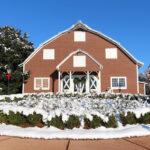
{"x": 81, "y": 25}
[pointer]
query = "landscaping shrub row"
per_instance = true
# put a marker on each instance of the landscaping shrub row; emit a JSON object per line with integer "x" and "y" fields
{"x": 130, "y": 118}
{"x": 36, "y": 120}
{"x": 94, "y": 96}
{"x": 74, "y": 121}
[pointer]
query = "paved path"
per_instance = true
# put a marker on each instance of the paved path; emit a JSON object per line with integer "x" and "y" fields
{"x": 14, "y": 143}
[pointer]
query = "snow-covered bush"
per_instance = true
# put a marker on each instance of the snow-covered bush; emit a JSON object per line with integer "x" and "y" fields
{"x": 3, "y": 117}
{"x": 68, "y": 111}
{"x": 35, "y": 119}
{"x": 94, "y": 123}
{"x": 145, "y": 119}
{"x": 112, "y": 123}
{"x": 72, "y": 122}
{"x": 130, "y": 118}
{"x": 56, "y": 122}
{"x": 15, "y": 118}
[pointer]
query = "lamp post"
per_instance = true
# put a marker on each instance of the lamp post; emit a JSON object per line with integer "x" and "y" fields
{"x": 8, "y": 76}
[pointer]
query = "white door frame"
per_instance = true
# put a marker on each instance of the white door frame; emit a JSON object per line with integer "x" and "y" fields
{"x": 87, "y": 84}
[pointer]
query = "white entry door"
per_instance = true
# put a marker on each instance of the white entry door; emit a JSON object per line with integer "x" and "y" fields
{"x": 66, "y": 84}
{"x": 93, "y": 85}
{"x": 80, "y": 84}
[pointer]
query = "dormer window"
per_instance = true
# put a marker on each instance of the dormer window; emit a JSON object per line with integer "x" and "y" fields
{"x": 48, "y": 54}
{"x": 79, "y": 36}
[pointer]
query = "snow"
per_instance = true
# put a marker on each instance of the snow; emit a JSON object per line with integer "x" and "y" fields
{"x": 139, "y": 111}
{"x": 54, "y": 133}
{"x": 12, "y": 96}
{"x": 50, "y": 106}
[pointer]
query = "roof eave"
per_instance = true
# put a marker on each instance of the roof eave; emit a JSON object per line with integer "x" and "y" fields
{"x": 80, "y": 24}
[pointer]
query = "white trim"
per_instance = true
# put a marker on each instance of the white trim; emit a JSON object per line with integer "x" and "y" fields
{"x": 23, "y": 79}
{"x": 142, "y": 82}
{"x": 59, "y": 84}
{"x": 144, "y": 89}
{"x": 42, "y": 78}
{"x": 88, "y": 82}
{"x": 71, "y": 82}
{"x": 90, "y": 30}
{"x": 137, "y": 78}
{"x": 117, "y": 88}
{"x": 99, "y": 77}
{"x": 74, "y": 52}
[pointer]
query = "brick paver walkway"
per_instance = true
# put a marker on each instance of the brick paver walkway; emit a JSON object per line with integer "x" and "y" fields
{"x": 14, "y": 143}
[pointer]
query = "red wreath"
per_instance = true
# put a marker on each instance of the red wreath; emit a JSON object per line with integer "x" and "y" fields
{"x": 8, "y": 76}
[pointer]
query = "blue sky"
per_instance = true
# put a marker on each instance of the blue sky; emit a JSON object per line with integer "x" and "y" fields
{"x": 127, "y": 21}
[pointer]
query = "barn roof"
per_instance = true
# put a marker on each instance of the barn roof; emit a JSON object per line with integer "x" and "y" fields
{"x": 80, "y": 25}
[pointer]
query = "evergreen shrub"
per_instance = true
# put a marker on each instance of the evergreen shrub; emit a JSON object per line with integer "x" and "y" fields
{"x": 34, "y": 119}
{"x": 96, "y": 122}
{"x": 72, "y": 122}
{"x": 112, "y": 123}
{"x": 56, "y": 122}
{"x": 16, "y": 118}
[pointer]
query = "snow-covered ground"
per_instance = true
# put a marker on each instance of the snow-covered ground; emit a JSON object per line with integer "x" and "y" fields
{"x": 54, "y": 133}
{"x": 50, "y": 106}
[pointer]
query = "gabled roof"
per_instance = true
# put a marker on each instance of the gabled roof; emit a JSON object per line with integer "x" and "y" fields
{"x": 80, "y": 25}
{"x": 74, "y": 52}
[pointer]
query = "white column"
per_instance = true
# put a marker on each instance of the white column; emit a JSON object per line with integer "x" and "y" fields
{"x": 71, "y": 82}
{"x": 61, "y": 84}
{"x": 99, "y": 82}
{"x": 88, "y": 83}
{"x": 59, "y": 81}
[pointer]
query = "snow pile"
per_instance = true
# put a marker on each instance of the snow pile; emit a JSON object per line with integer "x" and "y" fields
{"x": 54, "y": 133}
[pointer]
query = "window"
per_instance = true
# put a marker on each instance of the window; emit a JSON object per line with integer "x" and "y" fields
{"x": 79, "y": 61}
{"x": 111, "y": 53}
{"x": 48, "y": 54}
{"x": 41, "y": 83}
{"x": 118, "y": 82}
{"x": 79, "y": 36}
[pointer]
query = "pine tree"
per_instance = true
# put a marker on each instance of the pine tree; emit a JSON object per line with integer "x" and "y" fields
{"x": 15, "y": 47}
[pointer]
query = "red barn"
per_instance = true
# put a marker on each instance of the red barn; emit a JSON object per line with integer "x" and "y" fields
{"x": 81, "y": 59}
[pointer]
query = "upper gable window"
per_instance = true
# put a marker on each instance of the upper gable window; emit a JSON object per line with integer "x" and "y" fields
{"x": 79, "y": 36}
{"x": 79, "y": 61}
{"x": 111, "y": 53}
{"x": 48, "y": 54}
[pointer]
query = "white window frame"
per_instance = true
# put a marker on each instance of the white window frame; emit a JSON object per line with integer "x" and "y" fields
{"x": 42, "y": 88}
{"x": 50, "y": 54}
{"x": 79, "y": 36}
{"x": 125, "y": 87}
{"x": 77, "y": 63}
{"x": 111, "y": 50}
